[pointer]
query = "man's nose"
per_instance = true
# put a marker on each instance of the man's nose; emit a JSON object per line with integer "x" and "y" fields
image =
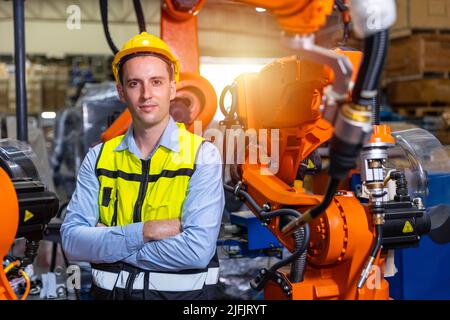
{"x": 147, "y": 92}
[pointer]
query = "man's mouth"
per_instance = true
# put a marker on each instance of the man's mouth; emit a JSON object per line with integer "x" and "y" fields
{"x": 148, "y": 107}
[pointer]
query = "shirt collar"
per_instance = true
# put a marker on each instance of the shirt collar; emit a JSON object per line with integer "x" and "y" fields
{"x": 169, "y": 139}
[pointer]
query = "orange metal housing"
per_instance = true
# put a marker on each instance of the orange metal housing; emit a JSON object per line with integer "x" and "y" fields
{"x": 182, "y": 15}
{"x": 340, "y": 241}
{"x": 179, "y": 31}
{"x": 339, "y": 245}
{"x": 286, "y": 95}
{"x": 201, "y": 96}
{"x": 9, "y": 221}
{"x": 119, "y": 126}
{"x": 297, "y": 16}
{"x": 381, "y": 133}
{"x": 355, "y": 58}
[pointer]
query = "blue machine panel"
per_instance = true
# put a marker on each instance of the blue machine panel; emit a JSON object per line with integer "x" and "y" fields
{"x": 259, "y": 237}
{"x": 423, "y": 272}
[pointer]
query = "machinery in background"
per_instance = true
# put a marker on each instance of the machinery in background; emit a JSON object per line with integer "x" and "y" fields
{"x": 28, "y": 208}
{"x": 287, "y": 95}
{"x": 339, "y": 245}
{"x": 79, "y": 128}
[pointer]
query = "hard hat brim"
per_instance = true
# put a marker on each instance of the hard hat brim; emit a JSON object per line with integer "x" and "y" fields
{"x": 123, "y": 53}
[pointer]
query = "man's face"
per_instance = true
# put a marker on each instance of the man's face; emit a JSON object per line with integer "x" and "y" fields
{"x": 147, "y": 90}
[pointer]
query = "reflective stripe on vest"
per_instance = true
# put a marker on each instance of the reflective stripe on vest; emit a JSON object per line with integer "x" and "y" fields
{"x": 157, "y": 281}
{"x": 133, "y": 190}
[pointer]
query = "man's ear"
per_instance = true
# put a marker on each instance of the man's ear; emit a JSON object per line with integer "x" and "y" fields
{"x": 121, "y": 92}
{"x": 173, "y": 89}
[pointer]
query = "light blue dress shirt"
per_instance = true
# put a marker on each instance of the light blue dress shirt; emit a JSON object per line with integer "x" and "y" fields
{"x": 200, "y": 220}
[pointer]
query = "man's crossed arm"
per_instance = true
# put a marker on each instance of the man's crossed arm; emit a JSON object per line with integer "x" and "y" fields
{"x": 158, "y": 229}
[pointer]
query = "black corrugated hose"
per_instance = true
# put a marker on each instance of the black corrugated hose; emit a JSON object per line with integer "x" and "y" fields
{"x": 301, "y": 236}
{"x": 298, "y": 250}
{"x": 298, "y": 266}
{"x": 375, "y": 50}
{"x": 376, "y": 110}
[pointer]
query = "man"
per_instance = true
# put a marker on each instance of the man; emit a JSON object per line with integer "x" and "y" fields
{"x": 147, "y": 208}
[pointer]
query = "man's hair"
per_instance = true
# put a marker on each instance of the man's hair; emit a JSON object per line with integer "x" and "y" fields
{"x": 169, "y": 64}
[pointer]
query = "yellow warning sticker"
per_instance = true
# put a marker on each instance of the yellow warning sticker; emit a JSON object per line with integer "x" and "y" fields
{"x": 28, "y": 216}
{"x": 407, "y": 228}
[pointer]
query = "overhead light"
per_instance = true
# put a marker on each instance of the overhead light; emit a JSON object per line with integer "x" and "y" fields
{"x": 221, "y": 72}
{"x": 48, "y": 115}
{"x": 258, "y": 9}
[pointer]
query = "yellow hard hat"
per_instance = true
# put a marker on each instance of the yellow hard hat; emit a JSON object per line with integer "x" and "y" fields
{"x": 145, "y": 42}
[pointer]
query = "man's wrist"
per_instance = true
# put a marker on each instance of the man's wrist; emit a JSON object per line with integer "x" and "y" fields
{"x": 133, "y": 236}
{"x": 155, "y": 230}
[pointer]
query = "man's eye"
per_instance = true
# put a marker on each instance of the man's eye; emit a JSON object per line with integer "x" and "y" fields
{"x": 132, "y": 84}
{"x": 157, "y": 82}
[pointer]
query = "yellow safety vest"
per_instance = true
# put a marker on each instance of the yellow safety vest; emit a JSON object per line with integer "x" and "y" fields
{"x": 133, "y": 190}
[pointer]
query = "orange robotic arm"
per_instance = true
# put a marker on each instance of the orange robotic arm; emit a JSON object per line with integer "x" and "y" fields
{"x": 297, "y": 16}
{"x": 286, "y": 96}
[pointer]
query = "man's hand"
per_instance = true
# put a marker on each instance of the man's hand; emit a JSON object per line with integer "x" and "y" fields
{"x": 99, "y": 224}
{"x": 161, "y": 229}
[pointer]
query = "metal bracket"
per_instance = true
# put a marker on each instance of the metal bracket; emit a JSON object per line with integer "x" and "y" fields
{"x": 265, "y": 275}
{"x": 305, "y": 48}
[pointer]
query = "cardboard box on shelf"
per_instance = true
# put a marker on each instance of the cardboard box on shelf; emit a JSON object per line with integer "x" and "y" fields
{"x": 419, "y": 92}
{"x": 418, "y": 55}
{"x": 415, "y": 15}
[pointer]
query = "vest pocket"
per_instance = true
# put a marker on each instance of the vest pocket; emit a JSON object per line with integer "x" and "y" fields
{"x": 109, "y": 206}
{"x": 106, "y": 198}
{"x": 161, "y": 211}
